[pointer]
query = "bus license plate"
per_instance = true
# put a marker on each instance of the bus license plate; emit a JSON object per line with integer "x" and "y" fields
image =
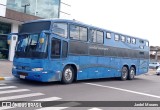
{"x": 22, "y": 76}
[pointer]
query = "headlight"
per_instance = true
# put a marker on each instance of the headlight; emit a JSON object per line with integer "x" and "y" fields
{"x": 37, "y": 69}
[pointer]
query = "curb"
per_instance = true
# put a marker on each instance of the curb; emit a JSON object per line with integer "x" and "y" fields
{"x": 7, "y": 78}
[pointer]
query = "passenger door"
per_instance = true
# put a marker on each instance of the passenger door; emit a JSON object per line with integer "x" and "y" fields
{"x": 59, "y": 52}
{"x": 55, "y": 48}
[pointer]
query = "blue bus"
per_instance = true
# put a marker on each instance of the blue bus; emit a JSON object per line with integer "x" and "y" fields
{"x": 68, "y": 50}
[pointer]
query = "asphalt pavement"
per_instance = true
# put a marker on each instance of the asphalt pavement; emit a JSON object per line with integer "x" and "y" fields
{"x": 68, "y": 97}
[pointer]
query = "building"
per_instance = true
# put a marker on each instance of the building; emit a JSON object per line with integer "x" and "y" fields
{"x": 154, "y": 53}
{"x": 15, "y": 12}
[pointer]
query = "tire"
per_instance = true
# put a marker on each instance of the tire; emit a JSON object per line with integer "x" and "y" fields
{"x": 68, "y": 75}
{"x": 124, "y": 73}
{"x": 132, "y": 73}
{"x": 156, "y": 67}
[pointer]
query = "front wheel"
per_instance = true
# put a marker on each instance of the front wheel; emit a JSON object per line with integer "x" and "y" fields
{"x": 131, "y": 73}
{"x": 68, "y": 75}
{"x": 124, "y": 73}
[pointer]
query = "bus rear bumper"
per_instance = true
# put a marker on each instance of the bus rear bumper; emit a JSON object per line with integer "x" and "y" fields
{"x": 37, "y": 76}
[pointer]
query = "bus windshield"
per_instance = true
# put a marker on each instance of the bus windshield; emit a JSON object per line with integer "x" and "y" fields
{"x": 28, "y": 46}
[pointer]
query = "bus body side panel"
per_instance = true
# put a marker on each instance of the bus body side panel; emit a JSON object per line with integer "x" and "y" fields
{"x": 92, "y": 67}
{"x": 55, "y": 68}
{"x": 79, "y": 62}
{"x": 143, "y": 66}
{"x": 104, "y": 68}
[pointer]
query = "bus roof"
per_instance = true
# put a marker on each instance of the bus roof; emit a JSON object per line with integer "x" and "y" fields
{"x": 80, "y": 23}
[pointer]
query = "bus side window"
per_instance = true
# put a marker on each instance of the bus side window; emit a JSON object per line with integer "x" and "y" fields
{"x": 60, "y": 29}
{"x": 56, "y": 48}
{"x": 108, "y": 35}
{"x": 116, "y": 37}
{"x": 123, "y": 38}
{"x": 100, "y": 37}
{"x": 141, "y": 41}
{"x": 74, "y": 32}
{"x": 133, "y": 41}
{"x": 65, "y": 49}
{"x": 83, "y": 34}
{"x": 78, "y": 33}
{"x": 128, "y": 40}
{"x": 147, "y": 44}
{"x": 96, "y": 36}
{"x": 93, "y": 36}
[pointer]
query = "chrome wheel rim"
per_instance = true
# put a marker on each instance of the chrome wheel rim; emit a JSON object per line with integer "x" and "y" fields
{"x": 68, "y": 74}
{"x": 132, "y": 73}
{"x": 124, "y": 74}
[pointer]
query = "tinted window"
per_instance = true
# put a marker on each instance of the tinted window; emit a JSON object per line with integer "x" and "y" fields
{"x": 147, "y": 44}
{"x": 74, "y": 32}
{"x": 93, "y": 36}
{"x": 35, "y": 27}
{"x": 96, "y": 36}
{"x": 99, "y": 37}
{"x": 60, "y": 29}
{"x": 78, "y": 33}
{"x": 141, "y": 41}
{"x": 56, "y": 48}
{"x": 133, "y": 41}
{"x": 76, "y": 47}
{"x": 128, "y": 40}
{"x": 123, "y": 38}
{"x": 4, "y": 47}
{"x": 108, "y": 35}
{"x": 83, "y": 34}
{"x": 65, "y": 49}
{"x": 116, "y": 37}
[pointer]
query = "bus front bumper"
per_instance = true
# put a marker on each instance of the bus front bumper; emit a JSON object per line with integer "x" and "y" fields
{"x": 40, "y": 76}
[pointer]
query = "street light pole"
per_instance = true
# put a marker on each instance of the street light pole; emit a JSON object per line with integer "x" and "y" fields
{"x": 25, "y": 7}
{"x": 35, "y": 13}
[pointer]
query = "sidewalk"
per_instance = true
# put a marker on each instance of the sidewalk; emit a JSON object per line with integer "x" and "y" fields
{"x": 5, "y": 68}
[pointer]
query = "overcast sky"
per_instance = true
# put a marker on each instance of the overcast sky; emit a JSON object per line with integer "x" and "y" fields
{"x": 139, "y": 18}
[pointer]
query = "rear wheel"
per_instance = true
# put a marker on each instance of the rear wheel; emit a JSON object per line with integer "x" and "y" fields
{"x": 68, "y": 75}
{"x": 124, "y": 73}
{"x": 132, "y": 73}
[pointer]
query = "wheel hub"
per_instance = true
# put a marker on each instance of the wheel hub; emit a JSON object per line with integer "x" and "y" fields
{"x": 68, "y": 74}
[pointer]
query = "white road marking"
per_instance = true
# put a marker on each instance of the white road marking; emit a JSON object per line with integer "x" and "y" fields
{"x": 5, "y": 108}
{"x": 8, "y": 87}
{"x": 13, "y": 91}
{"x": 48, "y": 99}
{"x": 130, "y": 91}
{"x": 2, "y": 84}
{"x": 94, "y": 109}
{"x": 20, "y": 96}
{"x": 9, "y": 78}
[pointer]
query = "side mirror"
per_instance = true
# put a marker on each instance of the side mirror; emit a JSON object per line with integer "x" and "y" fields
{"x": 42, "y": 37}
{"x": 9, "y": 39}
